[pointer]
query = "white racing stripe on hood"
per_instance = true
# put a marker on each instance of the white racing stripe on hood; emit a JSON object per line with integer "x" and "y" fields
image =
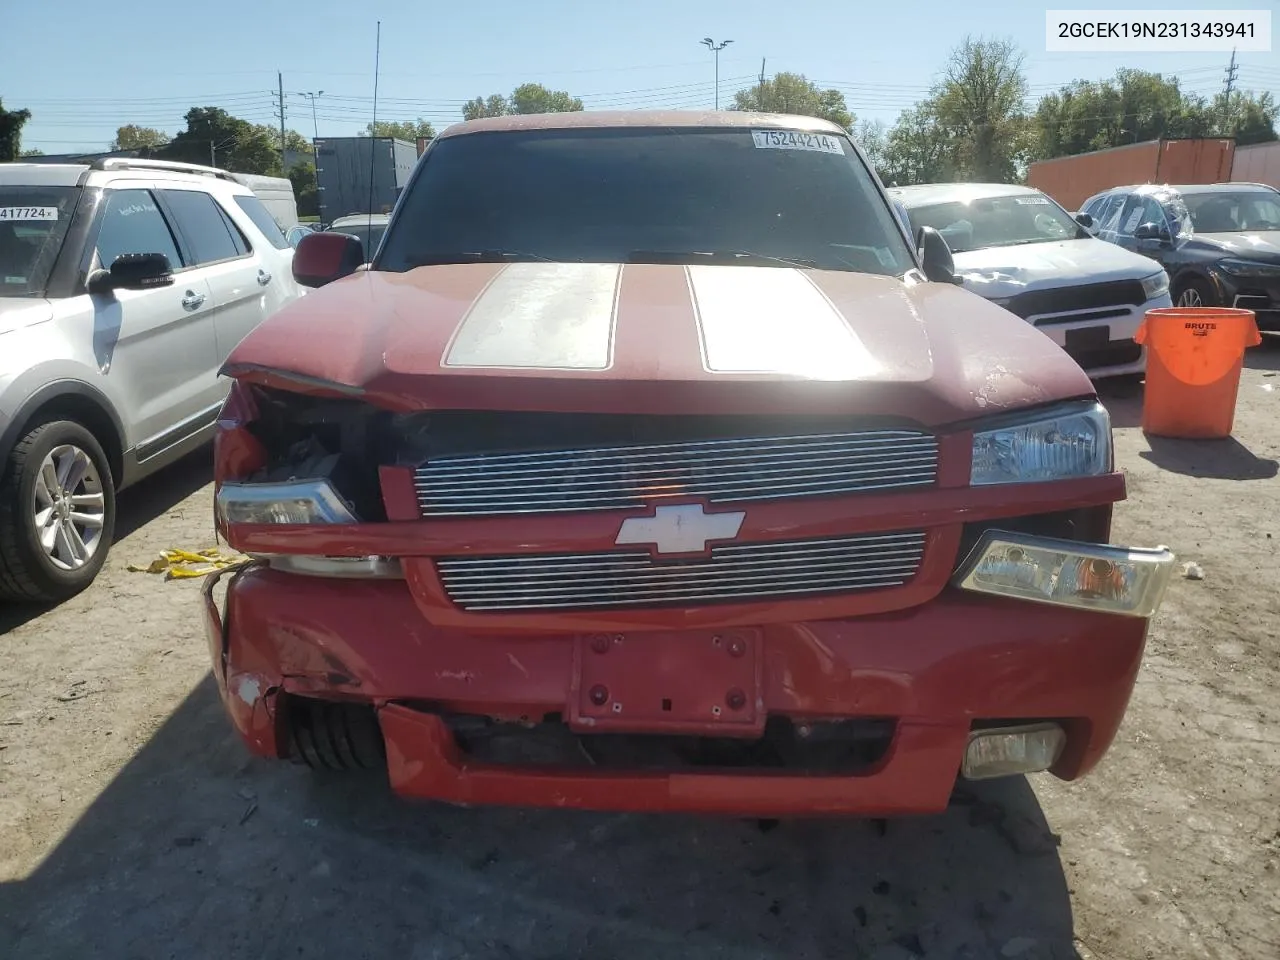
{"x": 773, "y": 320}
{"x": 546, "y": 316}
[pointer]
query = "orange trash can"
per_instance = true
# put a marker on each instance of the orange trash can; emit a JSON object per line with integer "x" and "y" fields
{"x": 1194, "y": 356}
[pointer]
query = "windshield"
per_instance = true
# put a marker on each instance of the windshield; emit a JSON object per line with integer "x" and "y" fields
{"x": 33, "y": 224}
{"x": 1235, "y": 212}
{"x": 997, "y": 221}
{"x": 618, "y": 195}
{"x": 369, "y": 235}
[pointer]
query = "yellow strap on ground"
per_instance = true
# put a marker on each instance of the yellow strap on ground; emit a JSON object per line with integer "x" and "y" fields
{"x": 180, "y": 564}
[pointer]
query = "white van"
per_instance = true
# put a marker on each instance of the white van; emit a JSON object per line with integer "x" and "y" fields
{"x": 276, "y": 194}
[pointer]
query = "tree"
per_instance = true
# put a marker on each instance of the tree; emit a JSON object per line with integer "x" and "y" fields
{"x": 213, "y": 135}
{"x": 411, "y": 130}
{"x": 918, "y": 149}
{"x": 11, "y": 123}
{"x": 1135, "y": 105}
{"x": 303, "y": 178}
{"x": 1249, "y": 117}
{"x": 792, "y": 93}
{"x": 493, "y": 106}
{"x": 980, "y": 106}
{"x": 133, "y": 137}
{"x": 873, "y": 137}
{"x": 526, "y": 98}
{"x": 31, "y": 153}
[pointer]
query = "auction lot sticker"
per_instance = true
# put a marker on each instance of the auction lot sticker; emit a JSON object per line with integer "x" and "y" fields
{"x": 796, "y": 140}
{"x": 28, "y": 213}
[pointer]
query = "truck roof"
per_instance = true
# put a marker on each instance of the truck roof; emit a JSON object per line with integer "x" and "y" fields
{"x": 587, "y": 119}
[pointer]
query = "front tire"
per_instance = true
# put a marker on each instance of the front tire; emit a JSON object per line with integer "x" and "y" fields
{"x": 1195, "y": 292}
{"x": 57, "y": 513}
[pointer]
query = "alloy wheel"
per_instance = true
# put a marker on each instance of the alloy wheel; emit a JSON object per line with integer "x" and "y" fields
{"x": 68, "y": 507}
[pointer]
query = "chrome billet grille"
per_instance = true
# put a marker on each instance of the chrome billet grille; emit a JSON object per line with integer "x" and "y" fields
{"x": 621, "y": 477}
{"x": 736, "y": 572}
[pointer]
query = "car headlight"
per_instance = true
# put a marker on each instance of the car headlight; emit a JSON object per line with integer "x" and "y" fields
{"x": 298, "y": 501}
{"x": 1249, "y": 268}
{"x": 1070, "y": 441}
{"x": 1155, "y": 285}
{"x": 1122, "y": 580}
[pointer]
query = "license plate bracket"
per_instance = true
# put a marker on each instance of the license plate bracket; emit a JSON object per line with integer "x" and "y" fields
{"x": 1088, "y": 338}
{"x": 701, "y": 683}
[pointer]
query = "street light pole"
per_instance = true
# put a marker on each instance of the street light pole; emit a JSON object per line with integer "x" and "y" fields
{"x": 315, "y": 127}
{"x": 716, "y": 48}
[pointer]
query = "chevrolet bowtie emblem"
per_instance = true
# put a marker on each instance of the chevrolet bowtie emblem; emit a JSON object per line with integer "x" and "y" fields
{"x": 683, "y": 529}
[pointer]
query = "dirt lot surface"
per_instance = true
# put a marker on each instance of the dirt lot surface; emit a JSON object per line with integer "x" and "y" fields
{"x": 133, "y": 825}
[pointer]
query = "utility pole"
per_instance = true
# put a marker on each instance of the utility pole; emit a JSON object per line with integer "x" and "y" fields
{"x": 1230, "y": 84}
{"x": 716, "y": 48}
{"x": 280, "y": 94}
{"x": 761, "y": 97}
{"x": 314, "y": 125}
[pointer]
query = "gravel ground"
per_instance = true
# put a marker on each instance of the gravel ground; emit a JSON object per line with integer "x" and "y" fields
{"x": 133, "y": 825}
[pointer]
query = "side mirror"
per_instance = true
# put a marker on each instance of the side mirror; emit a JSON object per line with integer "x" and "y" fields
{"x": 133, "y": 271}
{"x": 1152, "y": 231}
{"x": 1085, "y": 220}
{"x": 325, "y": 257}
{"x": 936, "y": 256}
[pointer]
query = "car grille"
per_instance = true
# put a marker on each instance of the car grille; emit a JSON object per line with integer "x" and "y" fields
{"x": 735, "y": 572}
{"x": 719, "y": 470}
{"x": 1088, "y": 296}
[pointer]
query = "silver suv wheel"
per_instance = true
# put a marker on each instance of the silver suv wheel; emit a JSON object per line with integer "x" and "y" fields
{"x": 68, "y": 507}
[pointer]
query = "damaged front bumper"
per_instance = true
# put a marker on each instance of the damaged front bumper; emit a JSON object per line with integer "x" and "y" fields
{"x": 965, "y": 665}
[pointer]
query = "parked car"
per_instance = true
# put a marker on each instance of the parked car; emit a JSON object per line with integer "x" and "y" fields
{"x": 295, "y": 233}
{"x": 368, "y": 228}
{"x": 1018, "y": 248}
{"x": 1219, "y": 243}
{"x": 650, "y": 466}
{"x": 123, "y": 286}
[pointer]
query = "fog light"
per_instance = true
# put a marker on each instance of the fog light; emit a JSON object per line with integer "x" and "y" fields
{"x": 1008, "y": 751}
{"x": 1109, "y": 579}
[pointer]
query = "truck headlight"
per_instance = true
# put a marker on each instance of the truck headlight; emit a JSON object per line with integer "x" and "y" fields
{"x": 1068, "y": 573}
{"x": 1156, "y": 285}
{"x": 1070, "y": 441}
{"x": 297, "y": 501}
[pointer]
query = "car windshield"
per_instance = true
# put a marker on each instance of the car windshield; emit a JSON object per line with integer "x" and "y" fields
{"x": 619, "y": 195}
{"x": 996, "y": 221}
{"x": 33, "y": 224}
{"x": 370, "y": 235}
{"x": 1217, "y": 211}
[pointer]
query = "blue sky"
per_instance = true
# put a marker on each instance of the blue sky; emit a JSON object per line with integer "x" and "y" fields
{"x": 85, "y": 69}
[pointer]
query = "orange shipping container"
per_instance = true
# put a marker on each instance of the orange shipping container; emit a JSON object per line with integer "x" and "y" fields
{"x": 1072, "y": 180}
{"x": 1258, "y": 163}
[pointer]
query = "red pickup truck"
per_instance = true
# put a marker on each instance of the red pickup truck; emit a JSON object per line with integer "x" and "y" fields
{"x": 650, "y": 465}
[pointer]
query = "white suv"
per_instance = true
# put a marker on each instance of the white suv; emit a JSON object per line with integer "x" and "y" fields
{"x": 123, "y": 286}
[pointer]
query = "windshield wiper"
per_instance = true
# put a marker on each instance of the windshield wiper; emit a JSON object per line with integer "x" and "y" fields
{"x": 719, "y": 256}
{"x": 474, "y": 256}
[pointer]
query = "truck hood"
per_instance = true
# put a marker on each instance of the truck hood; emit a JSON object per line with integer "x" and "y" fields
{"x": 661, "y": 339}
{"x": 19, "y": 312}
{"x": 1000, "y": 272}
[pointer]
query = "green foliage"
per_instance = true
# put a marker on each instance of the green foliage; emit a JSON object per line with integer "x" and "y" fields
{"x": 410, "y": 130}
{"x": 214, "y": 135}
{"x": 303, "y": 178}
{"x": 792, "y": 93}
{"x": 133, "y": 137}
{"x": 526, "y": 98}
{"x": 917, "y": 149}
{"x": 979, "y": 110}
{"x": 1249, "y": 117}
{"x": 11, "y": 122}
{"x": 31, "y": 153}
